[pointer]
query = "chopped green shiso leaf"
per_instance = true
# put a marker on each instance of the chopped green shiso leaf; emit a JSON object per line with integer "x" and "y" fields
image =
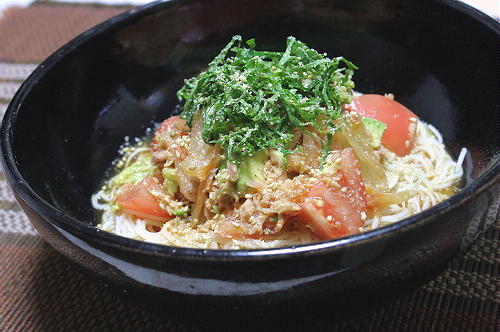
{"x": 251, "y": 100}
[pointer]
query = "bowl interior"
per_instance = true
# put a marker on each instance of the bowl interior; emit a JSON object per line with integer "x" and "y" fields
{"x": 119, "y": 78}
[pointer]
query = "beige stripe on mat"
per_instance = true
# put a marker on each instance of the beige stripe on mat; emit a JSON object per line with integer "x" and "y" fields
{"x": 3, "y": 108}
{"x": 8, "y": 89}
{"x": 15, "y": 222}
{"x": 5, "y": 191}
{"x": 15, "y": 71}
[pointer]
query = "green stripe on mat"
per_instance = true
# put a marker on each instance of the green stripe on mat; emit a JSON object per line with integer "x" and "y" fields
{"x": 22, "y": 240}
{"x": 10, "y": 206}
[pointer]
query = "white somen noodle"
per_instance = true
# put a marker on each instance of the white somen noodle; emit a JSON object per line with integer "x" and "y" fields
{"x": 428, "y": 175}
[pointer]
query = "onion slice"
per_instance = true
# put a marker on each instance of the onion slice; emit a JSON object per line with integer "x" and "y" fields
{"x": 353, "y": 134}
{"x": 201, "y": 157}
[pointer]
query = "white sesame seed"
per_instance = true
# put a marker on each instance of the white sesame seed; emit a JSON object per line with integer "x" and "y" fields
{"x": 407, "y": 143}
{"x": 413, "y": 119}
{"x": 248, "y": 196}
{"x": 319, "y": 202}
{"x": 329, "y": 218}
{"x": 363, "y": 215}
{"x": 343, "y": 189}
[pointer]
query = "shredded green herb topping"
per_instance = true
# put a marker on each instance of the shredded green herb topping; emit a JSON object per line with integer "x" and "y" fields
{"x": 252, "y": 100}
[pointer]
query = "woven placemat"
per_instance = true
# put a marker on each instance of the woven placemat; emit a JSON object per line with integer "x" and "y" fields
{"x": 40, "y": 290}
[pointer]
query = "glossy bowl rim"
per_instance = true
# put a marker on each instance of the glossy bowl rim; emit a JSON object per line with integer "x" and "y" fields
{"x": 83, "y": 230}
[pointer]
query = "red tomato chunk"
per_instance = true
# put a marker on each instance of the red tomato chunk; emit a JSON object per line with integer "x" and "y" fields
{"x": 138, "y": 201}
{"x": 334, "y": 212}
{"x": 399, "y": 136}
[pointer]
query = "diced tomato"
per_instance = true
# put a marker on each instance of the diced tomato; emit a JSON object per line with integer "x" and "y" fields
{"x": 174, "y": 122}
{"x": 352, "y": 179}
{"x": 324, "y": 203}
{"x": 399, "y": 136}
{"x": 333, "y": 213}
{"x": 138, "y": 201}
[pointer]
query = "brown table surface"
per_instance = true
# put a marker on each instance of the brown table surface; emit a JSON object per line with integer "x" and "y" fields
{"x": 40, "y": 290}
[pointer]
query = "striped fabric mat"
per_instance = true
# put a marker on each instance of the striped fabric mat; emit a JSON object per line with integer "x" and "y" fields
{"x": 42, "y": 291}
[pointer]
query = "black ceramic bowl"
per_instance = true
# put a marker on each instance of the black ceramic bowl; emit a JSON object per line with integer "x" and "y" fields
{"x": 64, "y": 126}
